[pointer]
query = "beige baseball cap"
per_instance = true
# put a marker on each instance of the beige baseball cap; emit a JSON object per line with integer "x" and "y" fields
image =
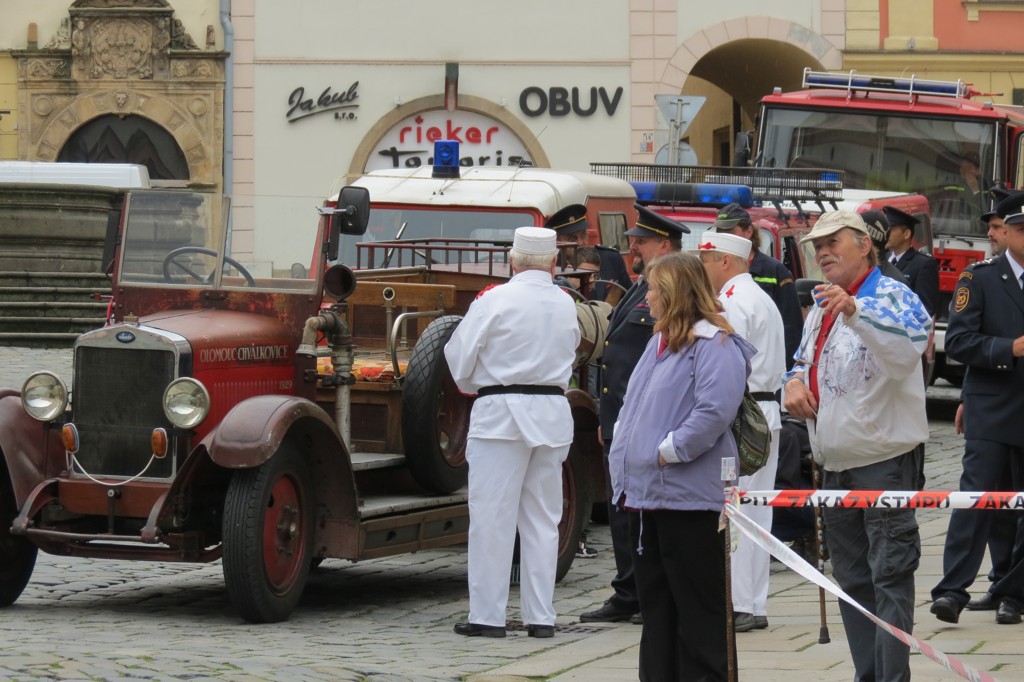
{"x": 833, "y": 221}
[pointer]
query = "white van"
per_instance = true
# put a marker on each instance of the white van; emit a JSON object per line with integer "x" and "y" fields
{"x": 121, "y": 175}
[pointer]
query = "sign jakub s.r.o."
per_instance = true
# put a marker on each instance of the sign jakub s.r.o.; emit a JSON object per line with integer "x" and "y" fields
{"x": 482, "y": 141}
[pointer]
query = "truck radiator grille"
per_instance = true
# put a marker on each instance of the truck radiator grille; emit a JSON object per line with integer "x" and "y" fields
{"x": 117, "y": 402}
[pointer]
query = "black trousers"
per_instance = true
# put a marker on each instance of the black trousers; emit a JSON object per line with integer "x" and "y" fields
{"x": 987, "y": 465}
{"x": 624, "y": 583}
{"x": 679, "y": 559}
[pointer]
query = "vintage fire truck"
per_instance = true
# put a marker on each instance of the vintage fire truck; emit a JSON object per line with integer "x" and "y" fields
{"x": 228, "y": 413}
{"x": 908, "y": 136}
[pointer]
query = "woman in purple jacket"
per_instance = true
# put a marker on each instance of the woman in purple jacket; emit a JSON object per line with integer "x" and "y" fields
{"x": 672, "y": 440}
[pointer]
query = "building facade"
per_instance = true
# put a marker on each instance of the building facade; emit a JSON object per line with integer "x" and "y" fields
{"x": 277, "y": 103}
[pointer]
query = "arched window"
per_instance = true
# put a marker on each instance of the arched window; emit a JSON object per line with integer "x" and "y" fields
{"x": 131, "y": 139}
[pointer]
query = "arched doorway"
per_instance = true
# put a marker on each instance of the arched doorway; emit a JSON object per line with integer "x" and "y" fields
{"x": 128, "y": 139}
{"x": 733, "y": 64}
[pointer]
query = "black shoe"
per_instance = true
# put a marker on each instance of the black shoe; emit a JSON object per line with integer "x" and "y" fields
{"x": 743, "y": 622}
{"x": 986, "y": 602}
{"x": 608, "y": 613}
{"x": 947, "y": 609}
{"x": 637, "y": 619}
{"x": 1008, "y": 613}
{"x": 760, "y": 622}
{"x": 540, "y": 631}
{"x": 474, "y": 630}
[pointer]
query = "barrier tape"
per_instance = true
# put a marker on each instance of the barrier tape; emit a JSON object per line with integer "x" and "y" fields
{"x": 892, "y": 499}
{"x": 774, "y": 546}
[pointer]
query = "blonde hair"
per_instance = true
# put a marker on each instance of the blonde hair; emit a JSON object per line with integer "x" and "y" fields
{"x": 686, "y": 298}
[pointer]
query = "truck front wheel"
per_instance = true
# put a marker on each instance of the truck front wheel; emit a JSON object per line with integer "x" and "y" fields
{"x": 17, "y": 555}
{"x": 268, "y": 536}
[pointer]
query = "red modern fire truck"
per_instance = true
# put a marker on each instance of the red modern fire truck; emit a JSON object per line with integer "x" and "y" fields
{"x": 906, "y": 136}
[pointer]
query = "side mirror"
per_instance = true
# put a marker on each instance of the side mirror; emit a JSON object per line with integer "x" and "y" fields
{"x": 351, "y": 216}
{"x": 804, "y": 289}
{"x": 741, "y": 149}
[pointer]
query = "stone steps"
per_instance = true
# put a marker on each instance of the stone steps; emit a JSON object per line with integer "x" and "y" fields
{"x": 50, "y": 309}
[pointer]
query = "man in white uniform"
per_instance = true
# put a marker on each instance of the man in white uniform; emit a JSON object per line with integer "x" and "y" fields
{"x": 754, "y": 316}
{"x": 515, "y": 349}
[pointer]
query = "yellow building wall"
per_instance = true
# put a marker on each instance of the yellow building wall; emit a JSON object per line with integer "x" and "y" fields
{"x": 8, "y": 103}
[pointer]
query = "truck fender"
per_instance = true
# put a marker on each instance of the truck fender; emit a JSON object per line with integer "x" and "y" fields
{"x": 33, "y": 451}
{"x": 254, "y": 429}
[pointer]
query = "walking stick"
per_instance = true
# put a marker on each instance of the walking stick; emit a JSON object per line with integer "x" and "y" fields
{"x": 730, "y": 630}
{"x": 819, "y": 544}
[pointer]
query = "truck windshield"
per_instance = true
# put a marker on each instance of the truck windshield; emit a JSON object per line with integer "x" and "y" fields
{"x": 185, "y": 239}
{"x": 948, "y": 160}
{"x": 391, "y": 223}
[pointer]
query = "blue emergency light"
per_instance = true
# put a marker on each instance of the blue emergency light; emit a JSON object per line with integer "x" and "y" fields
{"x": 709, "y": 194}
{"x": 910, "y": 86}
{"x": 446, "y": 159}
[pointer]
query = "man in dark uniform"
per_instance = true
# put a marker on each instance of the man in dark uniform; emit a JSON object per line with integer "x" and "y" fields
{"x": 571, "y": 225}
{"x": 986, "y": 333}
{"x": 920, "y": 271}
{"x": 774, "y": 277}
{"x": 629, "y": 329}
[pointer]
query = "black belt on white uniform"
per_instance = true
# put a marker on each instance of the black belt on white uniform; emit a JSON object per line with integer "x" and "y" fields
{"x": 523, "y": 389}
{"x": 766, "y": 396}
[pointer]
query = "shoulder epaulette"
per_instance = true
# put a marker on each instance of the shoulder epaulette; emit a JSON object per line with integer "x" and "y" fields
{"x": 485, "y": 290}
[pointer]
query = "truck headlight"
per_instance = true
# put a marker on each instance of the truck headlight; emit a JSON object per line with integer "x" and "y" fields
{"x": 186, "y": 403}
{"x": 44, "y": 396}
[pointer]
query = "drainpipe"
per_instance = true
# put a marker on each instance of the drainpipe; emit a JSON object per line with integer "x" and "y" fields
{"x": 229, "y": 96}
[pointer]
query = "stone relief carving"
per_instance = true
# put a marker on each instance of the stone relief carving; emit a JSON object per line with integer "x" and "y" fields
{"x": 48, "y": 68}
{"x": 193, "y": 68}
{"x": 121, "y": 49}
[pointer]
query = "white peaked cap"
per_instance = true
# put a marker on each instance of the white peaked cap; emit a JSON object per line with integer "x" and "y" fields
{"x": 723, "y": 242}
{"x": 534, "y": 240}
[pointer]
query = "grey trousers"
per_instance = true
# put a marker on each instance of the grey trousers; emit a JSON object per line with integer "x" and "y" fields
{"x": 874, "y": 555}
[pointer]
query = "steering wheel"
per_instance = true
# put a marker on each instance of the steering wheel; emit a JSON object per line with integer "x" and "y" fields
{"x": 170, "y": 259}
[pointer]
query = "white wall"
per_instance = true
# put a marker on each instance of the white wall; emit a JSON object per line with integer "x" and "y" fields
{"x": 443, "y": 30}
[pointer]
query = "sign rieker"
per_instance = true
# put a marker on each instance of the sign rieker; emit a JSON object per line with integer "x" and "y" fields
{"x": 482, "y": 140}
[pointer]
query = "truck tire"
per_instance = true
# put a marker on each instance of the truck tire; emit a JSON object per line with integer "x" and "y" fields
{"x": 435, "y": 416}
{"x": 268, "y": 536}
{"x": 17, "y": 554}
{"x": 576, "y": 509}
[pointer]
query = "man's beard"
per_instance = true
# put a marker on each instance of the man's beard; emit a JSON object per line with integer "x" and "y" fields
{"x": 638, "y": 265}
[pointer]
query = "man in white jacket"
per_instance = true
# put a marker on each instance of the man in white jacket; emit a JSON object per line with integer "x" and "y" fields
{"x": 858, "y": 384}
{"x": 754, "y": 316}
{"x": 515, "y": 350}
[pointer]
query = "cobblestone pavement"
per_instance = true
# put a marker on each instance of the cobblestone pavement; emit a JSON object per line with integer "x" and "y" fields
{"x": 380, "y": 620}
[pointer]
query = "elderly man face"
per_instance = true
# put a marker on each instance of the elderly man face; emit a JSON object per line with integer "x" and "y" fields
{"x": 843, "y": 256}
